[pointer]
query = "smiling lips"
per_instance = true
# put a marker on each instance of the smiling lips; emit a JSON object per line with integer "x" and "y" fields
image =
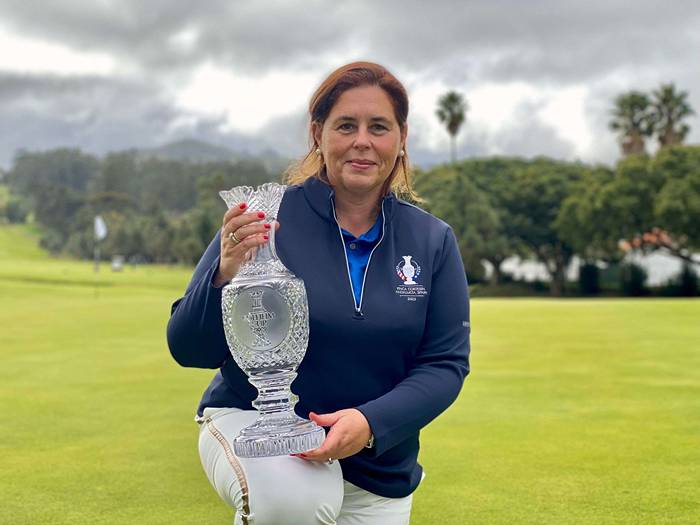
{"x": 361, "y": 164}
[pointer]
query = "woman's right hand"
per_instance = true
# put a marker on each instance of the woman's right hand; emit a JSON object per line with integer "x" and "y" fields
{"x": 241, "y": 232}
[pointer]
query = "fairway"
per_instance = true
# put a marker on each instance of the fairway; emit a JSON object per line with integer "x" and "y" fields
{"x": 576, "y": 411}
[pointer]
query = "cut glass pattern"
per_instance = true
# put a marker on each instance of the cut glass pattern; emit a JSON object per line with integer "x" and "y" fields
{"x": 266, "y": 322}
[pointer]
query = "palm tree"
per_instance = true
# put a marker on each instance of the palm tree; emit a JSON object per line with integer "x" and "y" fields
{"x": 451, "y": 112}
{"x": 670, "y": 108}
{"x": 632, "y": 119}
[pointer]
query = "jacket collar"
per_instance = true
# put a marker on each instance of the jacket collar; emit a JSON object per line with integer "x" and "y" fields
{"x": 319, "y": 194}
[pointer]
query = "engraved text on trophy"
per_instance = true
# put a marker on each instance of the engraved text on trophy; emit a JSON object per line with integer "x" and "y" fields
{"x": 258, "y": 319}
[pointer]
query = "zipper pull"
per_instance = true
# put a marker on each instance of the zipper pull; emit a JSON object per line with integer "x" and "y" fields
{"x": 358, "y": 315}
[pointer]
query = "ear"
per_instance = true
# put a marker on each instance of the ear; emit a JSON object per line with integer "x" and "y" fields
{"x": 316, "y": 131}
{"x": 404, "y": 135}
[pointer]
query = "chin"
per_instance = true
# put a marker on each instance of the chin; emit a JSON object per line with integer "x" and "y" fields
{"x": 355, "y": 182}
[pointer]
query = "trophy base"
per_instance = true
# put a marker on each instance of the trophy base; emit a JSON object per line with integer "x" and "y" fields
{"x": 269, "y": 438}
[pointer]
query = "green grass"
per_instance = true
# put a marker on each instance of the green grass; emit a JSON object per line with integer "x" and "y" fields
{"x": 576, "y": 411}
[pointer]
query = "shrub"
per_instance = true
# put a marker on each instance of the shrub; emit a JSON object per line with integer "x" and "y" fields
{"x": 589, "y": 279}
{"x": 685, "y": 284}
{"x": 633, "y": 280}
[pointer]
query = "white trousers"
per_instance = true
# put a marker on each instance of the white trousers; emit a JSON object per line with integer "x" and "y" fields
{"x": 285, "y": 490}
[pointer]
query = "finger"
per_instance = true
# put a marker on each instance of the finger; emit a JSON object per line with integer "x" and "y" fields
{"x": 325, "y": 420}
{"x": 332, "y": 447}
{"x": 240, "y": 250}
{"x": 234, "y": 211}
{"x": 250, "y": 229}
{"x": 322, "y": 453}
{"x": 240, "y": 220}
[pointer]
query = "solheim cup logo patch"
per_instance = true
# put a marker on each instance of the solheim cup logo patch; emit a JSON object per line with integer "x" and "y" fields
{"x": 408, "y": 271}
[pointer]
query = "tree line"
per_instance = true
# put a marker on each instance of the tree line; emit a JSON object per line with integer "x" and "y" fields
{"x": 551, "y": 211}
{"x": 167, "y": 211}
{"x": 156, "y": 211}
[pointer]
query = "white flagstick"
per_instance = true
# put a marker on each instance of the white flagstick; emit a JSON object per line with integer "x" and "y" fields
{"x": 100, "y": 233}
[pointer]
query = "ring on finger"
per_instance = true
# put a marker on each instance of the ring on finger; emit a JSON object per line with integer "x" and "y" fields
{"x": 233, "y": 237}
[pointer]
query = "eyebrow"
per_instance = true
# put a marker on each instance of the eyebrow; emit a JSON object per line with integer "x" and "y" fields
{"x": 373, "y": 119}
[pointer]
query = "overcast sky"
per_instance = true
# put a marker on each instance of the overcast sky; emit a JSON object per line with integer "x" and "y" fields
{"x": 539, "y": 76}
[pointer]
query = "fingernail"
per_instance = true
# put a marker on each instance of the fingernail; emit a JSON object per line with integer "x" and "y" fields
{"x": 261, "y": 215}
{"x": 266, "y": 237}
{"x": 267, "y": 226}
{"x": 243, "y": 205}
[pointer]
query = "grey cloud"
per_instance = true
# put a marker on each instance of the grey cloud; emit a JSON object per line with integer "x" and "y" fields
{"x": 94, "y": 113}
{"x": 252, "y": 36}
{"x": 538, "y": 40}
{"x": 610, "y": 46}
{"x": 526, "y": 137}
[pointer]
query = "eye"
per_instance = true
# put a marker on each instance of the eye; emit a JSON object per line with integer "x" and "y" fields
{"x": 379, "y": 127}
{"x": 346, "y": 126}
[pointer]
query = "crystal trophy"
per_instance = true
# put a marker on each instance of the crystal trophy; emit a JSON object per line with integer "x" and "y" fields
{"x": 266, "y": 322}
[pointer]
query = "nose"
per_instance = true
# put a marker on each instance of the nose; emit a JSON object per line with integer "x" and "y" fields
{"x": 362, "y": 139}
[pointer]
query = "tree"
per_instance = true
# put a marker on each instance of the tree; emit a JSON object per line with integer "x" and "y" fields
{"x": 610, "y": 206}
{"x": 646, "y": 205}
{"x": 670, "y": 108}
{"x": 677, "y": 202}
{"x": 588, "y": 219}
{"x": 34, "y": 174}
{"x": 451, "y": 112}
{"x": 452, "y": 197}
{"x": 494, "y": 177}
{"x": 536, "y": 197}
{"x": 633, "y": 120}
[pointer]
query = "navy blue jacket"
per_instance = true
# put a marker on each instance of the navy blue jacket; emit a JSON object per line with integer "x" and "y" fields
{"x": 400, "y": 359}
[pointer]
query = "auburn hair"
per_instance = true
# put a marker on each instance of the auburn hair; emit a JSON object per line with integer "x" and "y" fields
{"x": 350, "y": 76}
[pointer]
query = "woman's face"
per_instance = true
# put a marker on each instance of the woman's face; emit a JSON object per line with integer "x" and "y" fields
{"x": 360, "y": 141}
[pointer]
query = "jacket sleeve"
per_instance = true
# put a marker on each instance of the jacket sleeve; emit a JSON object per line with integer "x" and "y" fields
{"x": 442, "y": 361}
{"x": 195, "y": 329}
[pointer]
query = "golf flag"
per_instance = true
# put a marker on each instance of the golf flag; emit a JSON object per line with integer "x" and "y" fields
{"x": 100, "y": 228}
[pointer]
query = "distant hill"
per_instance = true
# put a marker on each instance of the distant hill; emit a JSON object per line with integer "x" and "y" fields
{"x": 192, "y": 150}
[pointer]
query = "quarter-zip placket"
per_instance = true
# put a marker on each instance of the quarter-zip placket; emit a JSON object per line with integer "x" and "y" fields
{"x": 358, "y": 307}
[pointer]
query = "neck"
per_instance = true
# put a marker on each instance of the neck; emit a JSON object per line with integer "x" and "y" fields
{"x": 356, "y": 214}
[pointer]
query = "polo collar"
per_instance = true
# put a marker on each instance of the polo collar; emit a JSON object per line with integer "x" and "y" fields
{"x": 370, "y": 236}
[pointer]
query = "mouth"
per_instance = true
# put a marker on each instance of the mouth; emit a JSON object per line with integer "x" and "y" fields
{"x": 361, "y": 164}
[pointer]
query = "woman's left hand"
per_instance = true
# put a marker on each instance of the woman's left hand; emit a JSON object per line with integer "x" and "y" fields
{"x": 348, "y": 435}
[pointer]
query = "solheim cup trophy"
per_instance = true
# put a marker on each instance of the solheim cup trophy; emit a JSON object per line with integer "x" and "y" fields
{"x": 266, "y": 322}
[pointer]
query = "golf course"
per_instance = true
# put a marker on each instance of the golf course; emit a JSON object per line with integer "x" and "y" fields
{"x": 575, "y": 411}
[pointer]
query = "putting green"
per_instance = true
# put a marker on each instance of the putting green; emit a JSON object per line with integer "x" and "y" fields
{"x": 575, "y": 412}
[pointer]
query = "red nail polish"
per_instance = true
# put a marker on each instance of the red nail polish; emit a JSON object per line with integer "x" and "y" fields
{"x": 267, "y": 226}
{"x": 243, "y": 205}
{"x": 266, "y": 237}
{"x": 261, "y": 215}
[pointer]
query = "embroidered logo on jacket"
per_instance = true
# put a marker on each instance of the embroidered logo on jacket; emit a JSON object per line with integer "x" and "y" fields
{"x": 408, "y": 271}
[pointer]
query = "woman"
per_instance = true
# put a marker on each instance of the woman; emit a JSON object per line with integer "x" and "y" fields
{"x": 389, "y": 319}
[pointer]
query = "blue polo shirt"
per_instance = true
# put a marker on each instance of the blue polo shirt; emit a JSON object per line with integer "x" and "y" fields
{"x": 358, "y": 249}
